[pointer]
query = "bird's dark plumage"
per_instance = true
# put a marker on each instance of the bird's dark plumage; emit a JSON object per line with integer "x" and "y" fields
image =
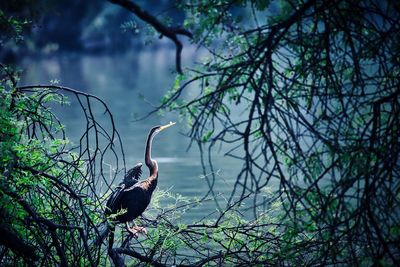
{"x": 134, "y": 173}
{"x": 134, "y": 196}
{"x": 131, "y": 178}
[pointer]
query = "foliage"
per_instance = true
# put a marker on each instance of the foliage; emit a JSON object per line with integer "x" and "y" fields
{"x": 16, "y": 19}
{"x": 173, "y": 241}
{"x": 48, "y": 201}
{"x": 316, "y": 85}
{"x": 52, "y": 207}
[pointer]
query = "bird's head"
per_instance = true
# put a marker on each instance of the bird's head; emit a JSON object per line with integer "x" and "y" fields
{"x": 157, "y": 129}
{"x": 134, "y": 173}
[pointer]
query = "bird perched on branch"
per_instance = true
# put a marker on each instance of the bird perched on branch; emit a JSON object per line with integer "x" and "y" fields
{"x": 131, "y": 178}
{"x": 132, "y": 196}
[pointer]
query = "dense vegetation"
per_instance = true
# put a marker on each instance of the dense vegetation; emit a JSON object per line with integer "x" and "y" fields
{"x": 317, "y": 84}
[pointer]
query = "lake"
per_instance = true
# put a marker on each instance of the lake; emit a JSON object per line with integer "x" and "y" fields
{"x": 128, "y": 82}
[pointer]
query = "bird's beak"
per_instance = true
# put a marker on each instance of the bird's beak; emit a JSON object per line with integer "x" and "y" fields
{"x": 166, "y": 126}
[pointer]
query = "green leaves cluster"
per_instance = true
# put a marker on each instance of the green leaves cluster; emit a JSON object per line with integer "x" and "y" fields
{"x": 227, "y": 238}
{"x": 11, "y": 27}
{"x": 307, "y": 95}
{"x": 40, "y": 180}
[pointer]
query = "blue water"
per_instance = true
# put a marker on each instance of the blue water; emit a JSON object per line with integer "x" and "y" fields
{"x": 127, "y": 83}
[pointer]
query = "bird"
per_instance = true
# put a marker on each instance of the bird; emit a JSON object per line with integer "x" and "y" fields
{"x": 130, "y": 178}
{"x": 132, "y": 197}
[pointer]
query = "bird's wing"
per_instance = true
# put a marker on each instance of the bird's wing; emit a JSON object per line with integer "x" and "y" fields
{"x": 113, "y": 199}
{"x": 114, "y": 202}
{"x": 131, "y": 187}
{"x": 130, "y": 174}
{"x": 133, "y": 173}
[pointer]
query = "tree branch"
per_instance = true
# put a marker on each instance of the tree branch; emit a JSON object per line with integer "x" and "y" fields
{"x": 118, "y": 261}
{"x": 170, "y": 32}
{"x": 10, "y": 240}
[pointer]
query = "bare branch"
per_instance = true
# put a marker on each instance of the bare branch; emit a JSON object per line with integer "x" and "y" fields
{"x": 170, "y": 32}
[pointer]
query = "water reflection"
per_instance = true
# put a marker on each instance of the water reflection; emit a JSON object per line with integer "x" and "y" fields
{"x": 122, "y": 80}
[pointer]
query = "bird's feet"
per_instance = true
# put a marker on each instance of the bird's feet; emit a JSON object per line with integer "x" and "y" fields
{"x": 135, "y": 229}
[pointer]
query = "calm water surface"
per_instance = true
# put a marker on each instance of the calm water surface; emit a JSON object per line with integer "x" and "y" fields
{"x": 122, "y": 81}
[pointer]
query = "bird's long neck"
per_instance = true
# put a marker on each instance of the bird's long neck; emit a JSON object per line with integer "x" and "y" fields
{"x": 151, "y": 164}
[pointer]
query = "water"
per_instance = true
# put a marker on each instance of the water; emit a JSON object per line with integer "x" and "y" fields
{"x": 122, "y": 81}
